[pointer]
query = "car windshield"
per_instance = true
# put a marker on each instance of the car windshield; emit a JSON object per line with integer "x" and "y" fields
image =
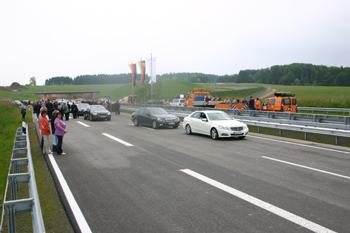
{"x": 158, "y": 111}
{"x": 98, "y": 108}
{"x": 219, "y": 116}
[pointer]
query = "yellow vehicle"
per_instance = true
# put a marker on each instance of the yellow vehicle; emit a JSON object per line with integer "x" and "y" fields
{"x": 130, "y": 99}
{"x": 201, "y": 98}
{"x": 280, "y": 102}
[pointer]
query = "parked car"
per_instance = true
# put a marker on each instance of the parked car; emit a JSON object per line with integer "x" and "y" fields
{"x": 82, "y": 108}
{"x": 215, "y": 124}
{"x": 17, "y": 102}
{"x": 178, "y": 102}
{"x": 97, "y": 112}
{"x": 155, "y": 117}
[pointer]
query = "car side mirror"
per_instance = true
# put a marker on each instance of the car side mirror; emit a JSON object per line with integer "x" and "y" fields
{"x": 205, "y": 120}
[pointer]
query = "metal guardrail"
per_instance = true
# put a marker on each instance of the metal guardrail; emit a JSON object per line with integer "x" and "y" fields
{"x": 345, "y": 111}
{"x": 21, "y": 156}
{"x": 338, "y": 126}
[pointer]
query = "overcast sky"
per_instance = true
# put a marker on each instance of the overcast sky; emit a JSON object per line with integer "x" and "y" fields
{"x": 45, "y": 39}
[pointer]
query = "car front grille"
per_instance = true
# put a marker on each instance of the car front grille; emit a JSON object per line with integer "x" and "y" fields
{"x": 237, "y": 128}
{"x": 170, "y": 120}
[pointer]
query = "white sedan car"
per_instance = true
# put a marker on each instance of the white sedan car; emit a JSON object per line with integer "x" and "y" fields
{"x": 214, "y": 123}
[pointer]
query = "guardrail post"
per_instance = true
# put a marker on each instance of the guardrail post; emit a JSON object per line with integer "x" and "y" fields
{"x": 280, "y": 133}
{"x": 11, "y": 209}
{"x": 336, "y": 140}
{"x": 305, "y": 135}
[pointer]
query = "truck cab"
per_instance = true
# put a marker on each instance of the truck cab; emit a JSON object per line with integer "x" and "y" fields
{"x": 280, "y": 102}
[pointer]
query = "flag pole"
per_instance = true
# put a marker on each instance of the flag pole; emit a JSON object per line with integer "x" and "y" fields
{"x": 132, "y": 80}
{"x": 151, "y": 82}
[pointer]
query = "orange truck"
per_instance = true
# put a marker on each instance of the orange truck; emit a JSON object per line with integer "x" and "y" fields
{"x": 130, "y": 99}
{"x": 201, "y": 98}
{"x": 280, "y": 102}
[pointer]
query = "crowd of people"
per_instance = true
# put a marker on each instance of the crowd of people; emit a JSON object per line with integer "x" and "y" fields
{"x": 252, "y": 103}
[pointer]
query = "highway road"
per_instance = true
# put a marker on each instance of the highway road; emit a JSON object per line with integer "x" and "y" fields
{"x": 136, "y": 179}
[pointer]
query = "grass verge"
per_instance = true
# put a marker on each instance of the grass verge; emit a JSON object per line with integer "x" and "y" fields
{"x": 54, "y": 216}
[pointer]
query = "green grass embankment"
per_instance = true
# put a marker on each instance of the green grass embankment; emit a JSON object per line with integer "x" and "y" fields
{"x": 172, "y": 88}
{"x": 55, "y": 218}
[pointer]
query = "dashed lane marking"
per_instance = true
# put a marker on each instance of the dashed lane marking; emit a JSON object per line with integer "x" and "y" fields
{"x": 83, "y": 124}
{"x": 117, "y": 139}
{"x": 310, "y": 168}
{"x": 264, "y": 205}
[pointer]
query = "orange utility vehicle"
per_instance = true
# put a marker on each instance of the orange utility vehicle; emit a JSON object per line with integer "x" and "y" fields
{"x": 280, "y": 102}
{"x": 201, "y": 98}
{"x": 130, "y": 99}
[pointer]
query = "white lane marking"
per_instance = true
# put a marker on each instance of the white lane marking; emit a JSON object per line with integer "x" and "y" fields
{"x": 302, "y": 166}
{"x": 83, "y": 124}
{"x": 117, "y": 139}
{"x": 264, "y": 205}
{"x": 83, "y": 225}
{"x": 299, "y": 144}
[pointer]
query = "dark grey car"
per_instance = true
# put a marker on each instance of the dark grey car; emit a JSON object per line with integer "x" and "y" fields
{"x": 154, "y": 117}
{"x": 97, "y": 112}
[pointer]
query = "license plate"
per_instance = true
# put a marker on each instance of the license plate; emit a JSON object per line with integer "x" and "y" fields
{"x": 171, "y": 123}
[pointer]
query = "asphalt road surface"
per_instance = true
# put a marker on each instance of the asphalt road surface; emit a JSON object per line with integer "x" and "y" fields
{"x": 136, "y": 179}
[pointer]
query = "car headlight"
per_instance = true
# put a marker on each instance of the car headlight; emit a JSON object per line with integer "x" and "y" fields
{"x": 224, "y": 127}
{"x": 177, "y": 119}
{"x": 95, "y": 114}
{"x": 109, "y": 113}
{"x": 160, "y": 119}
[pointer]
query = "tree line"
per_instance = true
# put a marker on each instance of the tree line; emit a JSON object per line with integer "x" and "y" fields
{"x": 293, "y": 74}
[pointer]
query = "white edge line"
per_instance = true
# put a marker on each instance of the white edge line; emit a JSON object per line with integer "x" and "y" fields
{"x": 300, "y": 144}
{"x": 83, "y": 124}
{"x": 310, "y": 168}
{"x": 83, "y": 225}
{"x": 264, "y": 205}
{"x": 117, "y": 139}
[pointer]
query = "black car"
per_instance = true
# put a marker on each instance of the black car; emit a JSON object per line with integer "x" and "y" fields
{"x": 97, "y": 112}
{"x": 155, "y": 117}
{"x": 82, "y": 108}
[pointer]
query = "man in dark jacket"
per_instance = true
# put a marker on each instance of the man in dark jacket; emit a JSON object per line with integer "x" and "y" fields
{"x": 37, "y": 109}
{"x": 251, "y": 103}
{"x": 49, "y": 107}
{"x": 117, "y": 108}
{"x": 75, "y": 111}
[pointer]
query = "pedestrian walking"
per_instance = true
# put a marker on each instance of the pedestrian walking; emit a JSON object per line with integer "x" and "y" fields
{"x": 45, "y": 132}
{"x": 117, "y": 108}
{"x": 23, "y": 110}
{"x": 66, "y": 111}
{"x": 60, "y": 131}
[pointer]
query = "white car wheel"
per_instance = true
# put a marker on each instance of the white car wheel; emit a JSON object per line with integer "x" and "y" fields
{"x": 188, "y": 129}
{"x": 214, "y": 134}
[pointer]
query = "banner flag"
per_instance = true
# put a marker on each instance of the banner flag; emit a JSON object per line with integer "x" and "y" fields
{"x": 152, "y": 68}
{"x": 142, "y": 66}
{"x": 133, "y": 70}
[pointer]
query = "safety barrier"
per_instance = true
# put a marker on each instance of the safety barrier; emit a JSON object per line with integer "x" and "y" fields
{"x": 21, "y": 156}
